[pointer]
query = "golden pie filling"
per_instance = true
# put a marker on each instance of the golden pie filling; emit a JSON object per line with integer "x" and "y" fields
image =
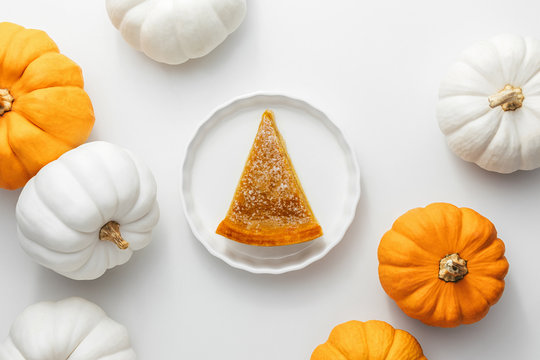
{"x": 269, "y": 207}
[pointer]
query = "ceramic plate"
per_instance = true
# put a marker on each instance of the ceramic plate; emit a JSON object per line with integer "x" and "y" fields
{"x": 322, "y": 158}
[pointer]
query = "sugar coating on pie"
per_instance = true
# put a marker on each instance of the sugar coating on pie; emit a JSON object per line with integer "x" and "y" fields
{"x": 269, "y": 207}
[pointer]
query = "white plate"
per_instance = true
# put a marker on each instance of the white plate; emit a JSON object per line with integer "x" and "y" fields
{"x": 322, "y": 158}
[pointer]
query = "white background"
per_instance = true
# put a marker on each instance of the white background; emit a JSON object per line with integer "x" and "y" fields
{"x": 374, "y": 67}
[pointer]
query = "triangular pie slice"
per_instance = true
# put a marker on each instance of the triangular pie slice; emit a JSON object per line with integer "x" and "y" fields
{"x": 269, "y": 207}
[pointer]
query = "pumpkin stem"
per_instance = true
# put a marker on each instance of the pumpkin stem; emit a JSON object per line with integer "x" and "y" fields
{"x": 509, "y": 98}
{"x": 5, "y": 101}
{"x": 452, "y": 268}
{"x": 111, "y": 232}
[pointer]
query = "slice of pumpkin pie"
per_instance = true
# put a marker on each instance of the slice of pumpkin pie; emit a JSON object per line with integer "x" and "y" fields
{"x": 269, "y": 207}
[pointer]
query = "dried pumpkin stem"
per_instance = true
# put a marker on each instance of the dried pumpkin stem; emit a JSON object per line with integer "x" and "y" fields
{"x": 452, "y": 268}
{"x": 5, "y": 101}
{"x": 111, "y": 232}
{"x": 510, "y": 98}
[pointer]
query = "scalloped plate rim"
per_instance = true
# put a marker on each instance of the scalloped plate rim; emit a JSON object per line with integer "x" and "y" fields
{"x": 189, "y": 154}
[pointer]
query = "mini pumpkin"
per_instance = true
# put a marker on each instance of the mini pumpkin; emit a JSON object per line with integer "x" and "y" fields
{"x": 489, "y": 104}
{"x": 72, "y": 328}
{"x": 175, "y": 31}
{"x": 44, "y": 110}
{"x": 443, "y": 265}
{"x": 370, "y": 340}
{"x": 88, "y": 211}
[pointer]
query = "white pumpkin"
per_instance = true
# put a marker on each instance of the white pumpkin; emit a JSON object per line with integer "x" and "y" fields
{"x": 88, "y": 210}
{"x": 174, "y": 31}
{"x": 489, "y": 104}
{"x": 73, "y": 328}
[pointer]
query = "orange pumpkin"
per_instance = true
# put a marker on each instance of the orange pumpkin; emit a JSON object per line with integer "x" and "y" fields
{"x": 370, "y": 340}
{"x": 443, "y": 265}
{"x": 44, "y": 110}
